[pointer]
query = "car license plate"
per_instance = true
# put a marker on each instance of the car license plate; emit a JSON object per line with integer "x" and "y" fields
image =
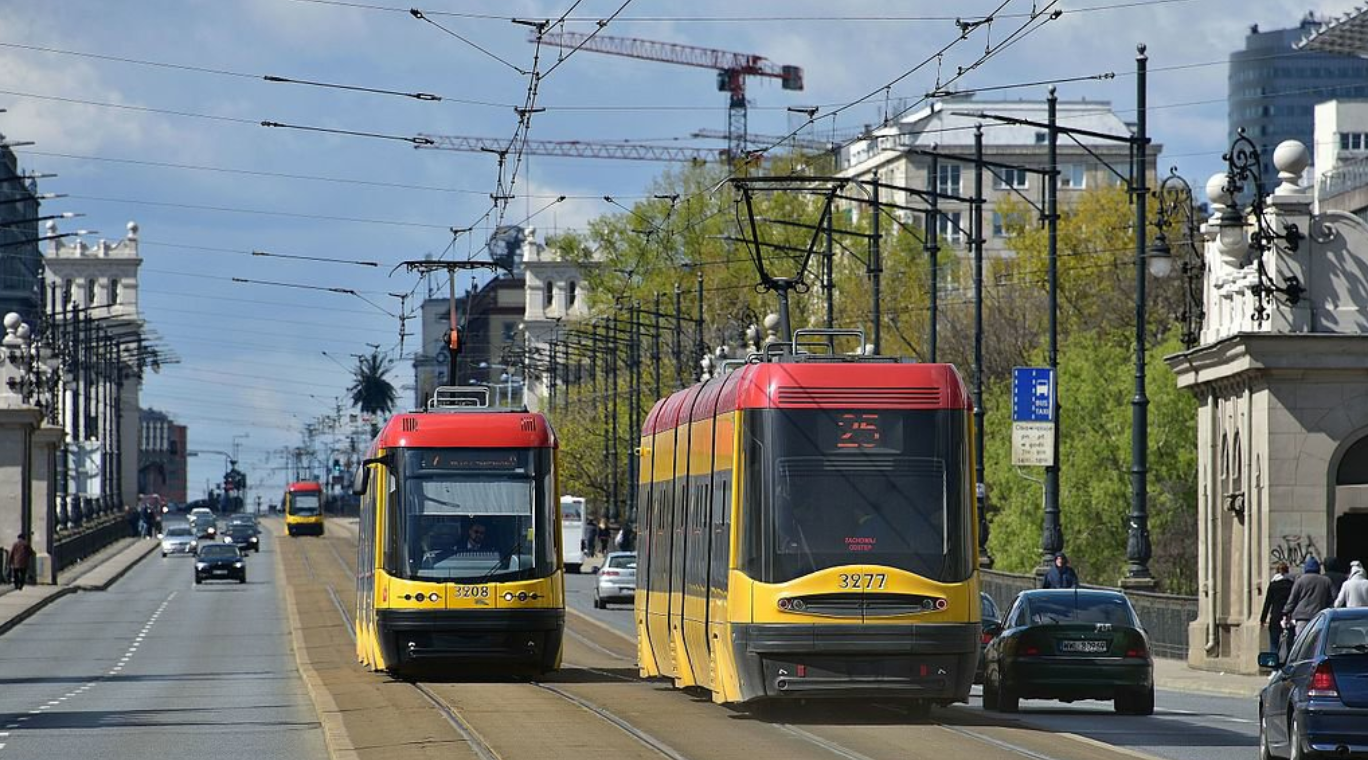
{"x": 1086, "y": 646}
{"x": 220, "y": 571}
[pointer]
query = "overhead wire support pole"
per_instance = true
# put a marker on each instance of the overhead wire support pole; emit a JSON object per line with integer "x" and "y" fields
{"x": 976, "y": 225}
{"x": 828, "y": 275}
{"x": 931, "y": 244}
{"x": 1052, "y": 533}
{"x": 876, "y": 271}
{"x": 1138, "y": 549}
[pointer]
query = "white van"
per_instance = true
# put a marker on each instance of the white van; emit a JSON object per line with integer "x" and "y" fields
{"x": 572, "y": 533}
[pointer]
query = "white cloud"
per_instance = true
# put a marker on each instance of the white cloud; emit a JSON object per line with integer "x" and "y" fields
{"x": 61, "y": 124}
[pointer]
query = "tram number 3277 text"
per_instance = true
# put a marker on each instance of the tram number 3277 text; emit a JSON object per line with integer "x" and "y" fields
{"x": 863, "y": 580}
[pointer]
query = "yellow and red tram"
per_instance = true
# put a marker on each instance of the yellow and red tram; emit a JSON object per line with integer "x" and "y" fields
{"x": 303, "y": 506}
{"x": 458, "y": 560}
{"x": 807, "y": 529}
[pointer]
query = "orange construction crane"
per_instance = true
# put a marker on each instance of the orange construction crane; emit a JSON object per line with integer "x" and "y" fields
{"x": 732, "y": 70}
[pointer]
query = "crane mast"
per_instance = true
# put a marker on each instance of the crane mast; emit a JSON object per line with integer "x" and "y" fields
{"x": 732, "y": 70}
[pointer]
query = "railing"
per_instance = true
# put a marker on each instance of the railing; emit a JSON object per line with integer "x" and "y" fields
{"x": 1164, "y": 616}
{"x": 95, "y": 535}
{"x": 1350, "y": 175}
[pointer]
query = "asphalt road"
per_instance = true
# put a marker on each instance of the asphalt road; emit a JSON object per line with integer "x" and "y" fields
{"x": 158, "y": 667}
{"x": 1185, "y": 726}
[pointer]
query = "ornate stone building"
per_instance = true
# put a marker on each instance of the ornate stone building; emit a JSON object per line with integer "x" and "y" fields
{"x": 1280, "y": 377}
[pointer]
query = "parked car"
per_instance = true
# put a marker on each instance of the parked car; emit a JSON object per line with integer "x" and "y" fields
{"x": 992, "y": 626}
{"x": 1317, "y": 701}
{"x": 242, "y": 535}
{"x": 616, "y": 579}
{"x": 221, "y": 562}
{"x": 1070, "y": 645}
{"x": 178, "y": 539}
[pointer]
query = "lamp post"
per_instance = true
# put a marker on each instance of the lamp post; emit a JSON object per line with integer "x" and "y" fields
{"x": 1243, "y": 162}
{"x": 1174, "y": 201}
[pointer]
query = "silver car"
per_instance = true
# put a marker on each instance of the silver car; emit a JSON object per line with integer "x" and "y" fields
{"x": 616, "y": 579}
{"x": 179, "y": 539}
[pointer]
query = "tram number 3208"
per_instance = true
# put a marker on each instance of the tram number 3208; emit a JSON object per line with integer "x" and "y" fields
{"x": 863, "y": 580}
{"x": 472, "y": 592}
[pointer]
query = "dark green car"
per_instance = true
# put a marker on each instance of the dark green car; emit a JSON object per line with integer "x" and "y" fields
{"x": 1069, "y": 645}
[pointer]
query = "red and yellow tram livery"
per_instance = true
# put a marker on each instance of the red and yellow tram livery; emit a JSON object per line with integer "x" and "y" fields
{"x": 807, "y": 529}
{"x": 458, "y": 560}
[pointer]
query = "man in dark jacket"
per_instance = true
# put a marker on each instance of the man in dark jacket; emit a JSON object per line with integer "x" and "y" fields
{"x": 1274, "y": 600}
{"x": 1310, "y": 594}
{"x": 20, "y": 555}
{"x": 1061, "y": 575}
{"x": 1333, "y": 570}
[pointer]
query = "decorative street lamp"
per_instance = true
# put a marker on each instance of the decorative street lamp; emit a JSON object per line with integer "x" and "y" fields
{"x": 1174, "y": 200}
{"x": 1242, "y": 164}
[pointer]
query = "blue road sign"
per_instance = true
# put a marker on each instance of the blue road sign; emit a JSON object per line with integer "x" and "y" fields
{"x": 1033, "y": 394}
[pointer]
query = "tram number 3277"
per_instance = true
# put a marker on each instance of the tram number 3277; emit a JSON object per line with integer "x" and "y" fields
{"x": 863, "y": 580}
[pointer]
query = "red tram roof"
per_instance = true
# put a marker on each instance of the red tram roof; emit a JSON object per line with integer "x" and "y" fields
{"x": 303, "y": 486}
{"x": 495, "y": 430}
{"x": 814, "y": 385}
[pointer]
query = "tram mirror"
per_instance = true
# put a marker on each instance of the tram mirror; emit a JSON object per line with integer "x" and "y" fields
{"x": 361, "y": 478}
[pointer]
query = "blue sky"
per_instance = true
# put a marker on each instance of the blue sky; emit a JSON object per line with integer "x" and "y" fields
{"x": 252, "y": 361}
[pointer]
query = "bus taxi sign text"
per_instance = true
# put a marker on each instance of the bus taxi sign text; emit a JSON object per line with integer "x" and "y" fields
{"x": 1033, "y": 415}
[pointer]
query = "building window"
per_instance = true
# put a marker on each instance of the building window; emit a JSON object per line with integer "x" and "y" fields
{"x": 571, "y": 294}
{"x": 1042, "y": 137}
{"x": 509, "y": 329}
{"x": 1011, "y": 178}
{"x": 90, "y": 292}
{"x": 949, "y": 226}
{"x": 1073, "y": 176}
{"x": 548, "y": 294}
{"x": 67, "y": 287}
{"x": 998, "y": 229}
{"x": 948, "y": 179}
{"x": 113, "y": 291}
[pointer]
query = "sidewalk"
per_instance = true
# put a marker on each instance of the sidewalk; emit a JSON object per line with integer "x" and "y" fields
{"x": 94, "y": 573}
{"x": 1175, "y": 675}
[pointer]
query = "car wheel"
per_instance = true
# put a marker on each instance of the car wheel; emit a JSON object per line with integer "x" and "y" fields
{"x": 1264, "y": 752}
{"x": 1135, "y": 702}
{"x": 198, "y": 580}
{"x": 243, "y": 579}
{"x": 1296, "y": 738}
{"x": 1008, "y": 700}
{"x": 163, "y": 555}
{"x": 990, "y": 695}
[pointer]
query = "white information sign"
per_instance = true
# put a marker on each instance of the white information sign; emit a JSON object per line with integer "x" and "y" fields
{"x": 1033, "y": 444}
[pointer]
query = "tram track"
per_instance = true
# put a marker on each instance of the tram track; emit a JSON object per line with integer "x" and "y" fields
{"x": 478, "y": 744}
{"x": 654, "y": 723}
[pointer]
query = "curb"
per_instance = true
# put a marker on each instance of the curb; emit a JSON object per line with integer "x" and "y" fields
{"x": 77, "y": 585}
{"x": 28, "y": 612}
{"x": 335, "y": 737}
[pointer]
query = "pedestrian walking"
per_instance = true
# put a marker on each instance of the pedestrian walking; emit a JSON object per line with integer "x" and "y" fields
{"x": 1310, "y": 594}
{"x": 20, "y": 555}
{"x": 1333, "y": 570}
{"x": 1274, "y": 600}
{"x": 1354, "y": 592}
{"x": 1061, "y": 575}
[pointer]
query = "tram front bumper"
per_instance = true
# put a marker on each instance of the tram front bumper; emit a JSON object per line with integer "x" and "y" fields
{"x": 408, "y": 637}
{"x": 920, "y": 661}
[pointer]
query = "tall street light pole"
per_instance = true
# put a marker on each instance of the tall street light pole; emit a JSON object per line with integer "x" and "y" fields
{"x": 1052, "y": 532}
{"x": 1138, "y": 549}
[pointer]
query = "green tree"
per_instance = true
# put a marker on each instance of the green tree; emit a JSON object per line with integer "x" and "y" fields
{"x": 371, "y": 391}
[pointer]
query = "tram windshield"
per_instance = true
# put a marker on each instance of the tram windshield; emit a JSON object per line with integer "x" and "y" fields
{"x": 304, "y": 504}
{"x": 880, "y": 487}
{"x": 473, "y": 515}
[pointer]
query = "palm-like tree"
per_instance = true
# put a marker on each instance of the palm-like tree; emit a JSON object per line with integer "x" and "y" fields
{"x": 371, "y": 390}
